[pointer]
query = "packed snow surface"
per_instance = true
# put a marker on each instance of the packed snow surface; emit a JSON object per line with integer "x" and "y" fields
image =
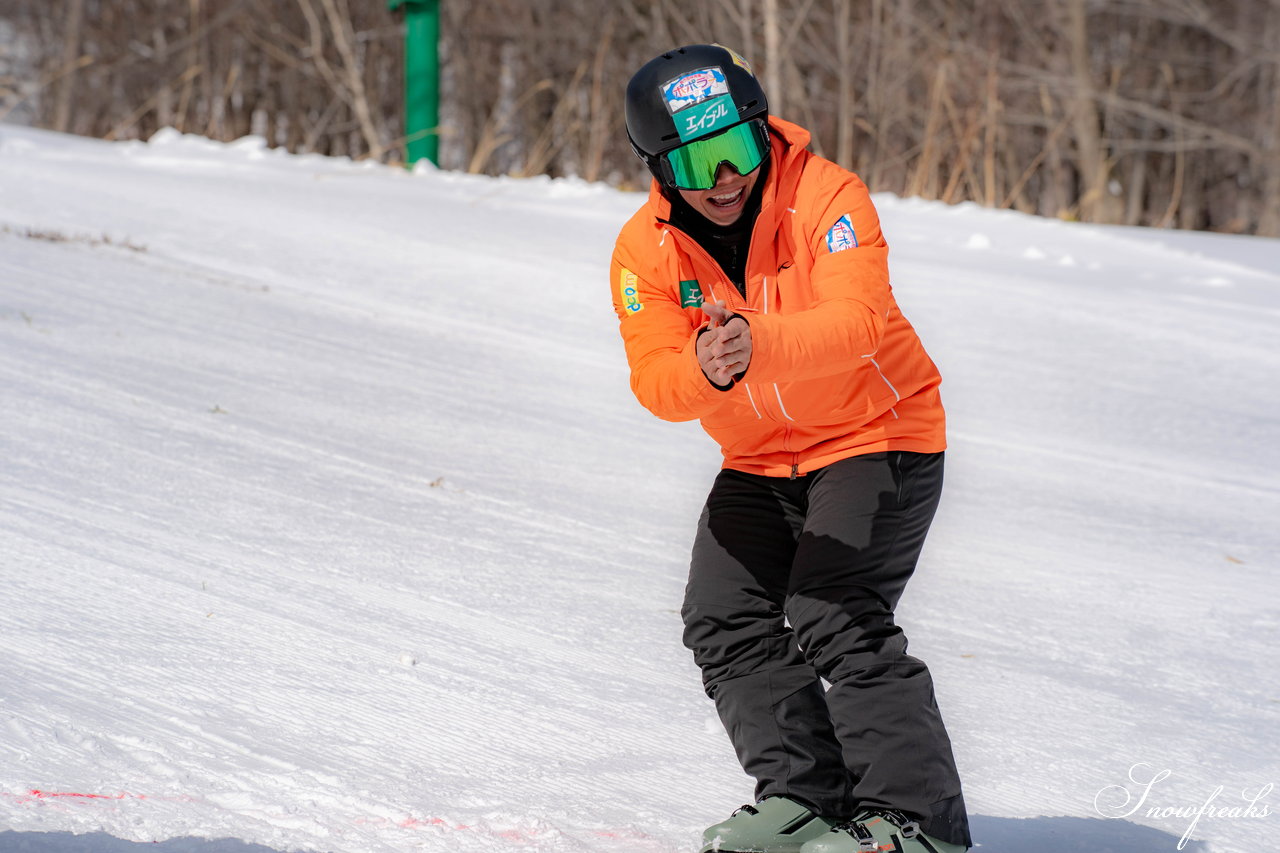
{"x": 328, "y": 521}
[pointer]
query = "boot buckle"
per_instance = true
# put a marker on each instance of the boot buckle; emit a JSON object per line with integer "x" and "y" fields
{"x": 866, "y": 841}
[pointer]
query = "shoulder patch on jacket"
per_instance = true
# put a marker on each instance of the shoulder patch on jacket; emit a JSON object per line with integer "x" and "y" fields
{"x": 629, "y": 291}
{"x": 841, "y": 236}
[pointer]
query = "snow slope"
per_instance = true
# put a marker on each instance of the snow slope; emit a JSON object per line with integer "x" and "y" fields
{"x": 328, "y": 521}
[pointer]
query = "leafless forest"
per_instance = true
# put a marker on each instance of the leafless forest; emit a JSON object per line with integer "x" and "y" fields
{"x": 1146, "y": 112}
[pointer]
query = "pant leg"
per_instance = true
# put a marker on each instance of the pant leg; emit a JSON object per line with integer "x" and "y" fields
{"x": 865, "y": 528}
{"x": 767, "y": 695}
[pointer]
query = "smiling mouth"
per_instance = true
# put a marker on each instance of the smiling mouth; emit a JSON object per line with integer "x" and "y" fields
{"x": 727, "y": 199}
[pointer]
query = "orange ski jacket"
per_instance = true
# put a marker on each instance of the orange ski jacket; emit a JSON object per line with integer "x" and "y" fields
{"x": 835, "y": 371}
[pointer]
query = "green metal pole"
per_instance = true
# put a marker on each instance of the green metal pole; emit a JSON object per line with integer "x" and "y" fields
{"x": 421, "y": 79}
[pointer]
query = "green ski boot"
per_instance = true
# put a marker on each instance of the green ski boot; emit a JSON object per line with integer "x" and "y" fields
{"x": 773, "y": 825}
{"x": 878, "y": 831}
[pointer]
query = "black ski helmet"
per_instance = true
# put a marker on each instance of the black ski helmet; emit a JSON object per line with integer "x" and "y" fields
{"x": 679, "y": 83}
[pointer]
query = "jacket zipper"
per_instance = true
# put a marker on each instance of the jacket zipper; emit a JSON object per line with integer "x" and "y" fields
{"x": 786, "y": 437}
{"x": 736, "y": 296}
{"x": 694, "y": 246}
{"x": 744, "y": 301}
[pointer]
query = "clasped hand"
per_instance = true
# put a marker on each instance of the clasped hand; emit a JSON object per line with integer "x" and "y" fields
{"x": 724, "y": 347}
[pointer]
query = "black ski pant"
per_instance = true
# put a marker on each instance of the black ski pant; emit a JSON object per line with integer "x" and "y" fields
{"x": 793, "y": 580}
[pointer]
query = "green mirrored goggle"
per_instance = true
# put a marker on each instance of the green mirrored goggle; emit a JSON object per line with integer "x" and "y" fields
{"x": 693, "y": 166}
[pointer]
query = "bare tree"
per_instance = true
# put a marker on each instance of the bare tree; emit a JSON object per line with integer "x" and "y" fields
{"x": 1148, "y": 112}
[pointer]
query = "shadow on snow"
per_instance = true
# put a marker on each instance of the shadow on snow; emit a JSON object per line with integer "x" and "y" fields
{"x": 992, "y": 834}
{"x": 1074, "y": 835}
{"x": 100, "y": 842}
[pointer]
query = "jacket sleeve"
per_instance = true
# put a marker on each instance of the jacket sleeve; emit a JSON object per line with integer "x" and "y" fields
{"x": 852, "y": 297}
{"x": 661, "y": 347}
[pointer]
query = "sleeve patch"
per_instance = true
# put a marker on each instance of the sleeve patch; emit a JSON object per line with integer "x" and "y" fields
{"x": 629, "y": 292}
{"x": 841, "y": 236}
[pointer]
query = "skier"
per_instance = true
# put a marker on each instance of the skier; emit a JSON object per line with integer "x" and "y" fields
{"x": 752, "y": 291}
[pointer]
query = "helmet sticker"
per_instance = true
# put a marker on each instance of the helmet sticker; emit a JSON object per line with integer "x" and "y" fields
{"x": 738, "y": 60}
{"x": 693, "y": 88}
{"x": 841, "y": 236}
{"x": 705, "y": 118}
